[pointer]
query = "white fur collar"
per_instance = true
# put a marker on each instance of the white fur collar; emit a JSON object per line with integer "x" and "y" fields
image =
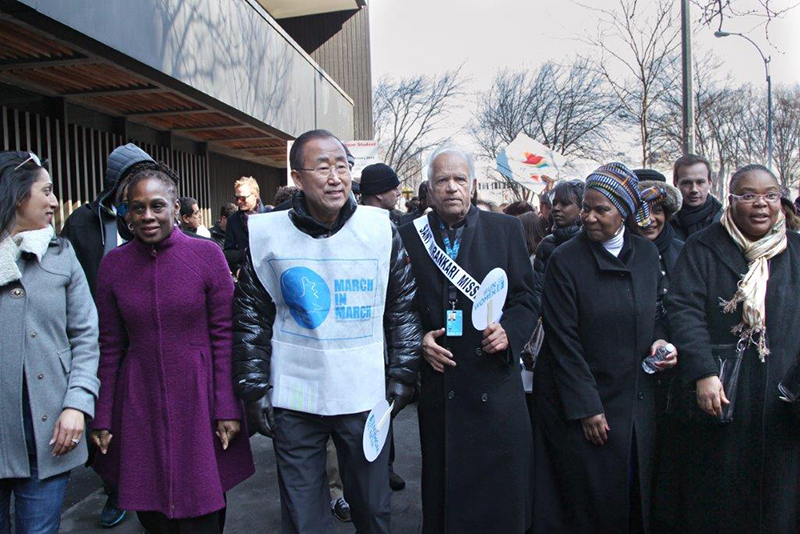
{"x": 33, "y": 242}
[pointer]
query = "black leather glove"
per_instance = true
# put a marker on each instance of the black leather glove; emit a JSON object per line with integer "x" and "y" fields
{"x": 400, "y": 393}
{"x": 261, "y": 416}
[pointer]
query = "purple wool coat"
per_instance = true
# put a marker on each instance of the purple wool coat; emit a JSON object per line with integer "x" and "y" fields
{"x": 165, "y": 374}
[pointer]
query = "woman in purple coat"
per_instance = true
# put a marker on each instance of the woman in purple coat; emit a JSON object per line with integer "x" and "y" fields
{"x": 167, "y": 420}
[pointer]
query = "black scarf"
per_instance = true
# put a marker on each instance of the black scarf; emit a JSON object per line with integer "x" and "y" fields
{"x": 692, "y": 218}
{"x": 562, "y": 235}
{"x": 664, "y": 239}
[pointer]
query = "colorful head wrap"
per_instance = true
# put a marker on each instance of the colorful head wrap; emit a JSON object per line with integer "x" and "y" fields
{"x": 621, "y": 186}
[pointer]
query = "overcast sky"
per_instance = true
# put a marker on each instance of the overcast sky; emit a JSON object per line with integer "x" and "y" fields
{"x": 412, "y": 37}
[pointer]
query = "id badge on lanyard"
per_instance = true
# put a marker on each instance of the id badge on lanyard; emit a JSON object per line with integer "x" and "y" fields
{"x": 454, "y": 319}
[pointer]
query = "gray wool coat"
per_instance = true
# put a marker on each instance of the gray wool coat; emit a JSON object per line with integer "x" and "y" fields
{"x": 48, "y": 337}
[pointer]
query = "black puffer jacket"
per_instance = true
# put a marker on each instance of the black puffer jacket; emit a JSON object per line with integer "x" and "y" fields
{"x": 543, "y": 253}
{"x": 254, "y": 313}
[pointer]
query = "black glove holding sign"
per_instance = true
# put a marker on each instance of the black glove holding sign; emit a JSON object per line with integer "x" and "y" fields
{"x": 399, "y": 393}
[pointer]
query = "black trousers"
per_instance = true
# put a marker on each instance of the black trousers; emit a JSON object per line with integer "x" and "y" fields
{"x": 299, "y": 444}
{"x": 158, "y": 523}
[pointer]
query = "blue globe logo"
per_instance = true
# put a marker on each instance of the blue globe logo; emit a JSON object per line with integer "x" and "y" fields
{"x": 307, "y": 296}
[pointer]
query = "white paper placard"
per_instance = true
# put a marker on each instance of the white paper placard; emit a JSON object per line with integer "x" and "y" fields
{"x": 376, "y": 429}
{"x": 491, "y": 297}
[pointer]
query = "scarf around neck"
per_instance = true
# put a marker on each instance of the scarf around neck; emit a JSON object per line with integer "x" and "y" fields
{"x": 694, "y": 218}
{"x": 664, "y": 239}
{"x": 11, "y": 248}
{"x": 751, "y": 290}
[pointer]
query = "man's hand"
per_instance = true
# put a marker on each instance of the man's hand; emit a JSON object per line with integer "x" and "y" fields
{"x": 101, "y": 438}
{"x": 227, "y": 430}
{"x": 68, "y": 431}
{"x": 494, "y": 339}
{"x": 667, "y": 363}
{"x": 436, "y": 355}
{"x": 261, "y": 415}
{"x": 596, "y": 429}
{"x": 398, "y": 393}
{"x": 711, "y": 395}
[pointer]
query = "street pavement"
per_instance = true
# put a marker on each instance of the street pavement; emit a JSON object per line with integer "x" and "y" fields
{"x": 254, "y": 505}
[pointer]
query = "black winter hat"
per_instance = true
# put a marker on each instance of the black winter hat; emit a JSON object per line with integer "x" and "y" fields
{"x": 378, "y": 178}
{"x": 649, "y": 175}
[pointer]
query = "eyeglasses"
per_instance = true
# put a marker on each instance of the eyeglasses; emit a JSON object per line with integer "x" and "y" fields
{"x": 323, "y": 171}
{"x": 750, "y": 198}
{"x": 32, "y": 157}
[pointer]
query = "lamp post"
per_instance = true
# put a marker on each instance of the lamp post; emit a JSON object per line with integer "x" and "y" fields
{"x": 766, "y": 60}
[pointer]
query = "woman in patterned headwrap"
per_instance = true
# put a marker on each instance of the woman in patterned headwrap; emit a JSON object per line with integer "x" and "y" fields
{"x": 594, "y": 408}
{"x": 734, "y": 297}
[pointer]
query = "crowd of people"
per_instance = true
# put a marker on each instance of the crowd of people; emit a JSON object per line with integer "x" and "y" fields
{"x": 657, "y": 321}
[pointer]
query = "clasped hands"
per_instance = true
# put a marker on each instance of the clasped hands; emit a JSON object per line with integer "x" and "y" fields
{"x": 494, "y": 340}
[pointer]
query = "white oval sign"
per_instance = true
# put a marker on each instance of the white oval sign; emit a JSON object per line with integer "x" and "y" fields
{"x": 376, "y": 429}
{"x": 491, "y": 297}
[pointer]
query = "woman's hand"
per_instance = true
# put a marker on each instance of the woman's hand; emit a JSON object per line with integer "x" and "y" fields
{"x": 68, "y": 431}
{"x": 101, "y": 439}
{"x": 436, "y": 355}
{"x": 670, "y": 361}
{"x": 711, "y": 395}
{"x": 227, "y": 430}
{"x": 596, "y": 429}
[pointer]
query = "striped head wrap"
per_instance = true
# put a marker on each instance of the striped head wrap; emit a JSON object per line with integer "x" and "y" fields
{"x": 621, "y": 186}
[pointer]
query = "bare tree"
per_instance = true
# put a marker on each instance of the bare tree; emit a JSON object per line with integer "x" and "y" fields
{"x": 638, "y": 44}
{"x": 409, "y": 116}
{"x": 566, "y": 108}
{"x": 786, "y": 134}
{"x": 713, "y": 13}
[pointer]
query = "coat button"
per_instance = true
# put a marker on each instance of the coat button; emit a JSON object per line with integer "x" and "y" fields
{"x": 664, "y": 290}
{"x": 33, "y": 334}
{"x": 17, "y": 293}
{"x": 44, "y": 418}
{"x": 663, "y": 273}
{"x": 451, "y": 395}
{"x": 484, "y": 397}
{"x": 478, "y": 351}
{"x": 641, "y": 396}
{"x": 40, "y": 376}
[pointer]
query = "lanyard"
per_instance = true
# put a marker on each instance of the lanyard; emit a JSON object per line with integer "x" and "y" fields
{"x": 451, "y": 251}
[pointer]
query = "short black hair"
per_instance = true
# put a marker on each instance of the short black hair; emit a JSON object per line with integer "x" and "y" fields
{"x": 741, "y": 172}
{"x": 296, "y": 152}
{"x": 569, "y": 192}
{"x": 228, "y": 209}
{"x": 186, "y": 205}
{"x": 515, "y": 209}
{"x": 163, "y": 173}
{"x": 687, "y": 161}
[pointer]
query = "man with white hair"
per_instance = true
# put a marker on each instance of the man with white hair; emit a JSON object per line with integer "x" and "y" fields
{"x": 474, "y": 426}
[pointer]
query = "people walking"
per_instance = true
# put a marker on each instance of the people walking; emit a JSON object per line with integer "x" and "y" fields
{"x": 310, "y": 332}
{"x": 48, "y": 350}
{"x": 594, "y": 411}
{"x": 475, "y": 432}
{"x": 248, "y": 197}
{"x": 167, "y": 422}
{"x": 732, "y": 311}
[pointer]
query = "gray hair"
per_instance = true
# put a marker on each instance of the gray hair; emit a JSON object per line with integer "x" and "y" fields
{"x": 449, "y": 149}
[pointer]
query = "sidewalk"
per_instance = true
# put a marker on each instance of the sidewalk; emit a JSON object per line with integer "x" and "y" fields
{"x": 254, "y": 506}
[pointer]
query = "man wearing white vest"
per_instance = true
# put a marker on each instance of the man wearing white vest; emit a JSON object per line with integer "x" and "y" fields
{"x": 323, "y": 287}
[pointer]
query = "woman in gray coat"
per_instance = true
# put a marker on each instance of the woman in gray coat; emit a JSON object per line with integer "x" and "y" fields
{"x": 48, "y": 350}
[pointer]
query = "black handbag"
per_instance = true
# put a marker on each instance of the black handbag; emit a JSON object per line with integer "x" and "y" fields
{"x": 729, "y": 360}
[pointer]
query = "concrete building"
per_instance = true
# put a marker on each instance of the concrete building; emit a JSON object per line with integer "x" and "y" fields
{"x": 214, "y": 88}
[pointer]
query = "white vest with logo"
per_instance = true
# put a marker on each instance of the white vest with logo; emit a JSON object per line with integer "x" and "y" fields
{"x": 327, "y": 340}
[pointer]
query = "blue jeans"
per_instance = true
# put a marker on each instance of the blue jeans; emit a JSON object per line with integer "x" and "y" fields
{"x": 37, "y": 503}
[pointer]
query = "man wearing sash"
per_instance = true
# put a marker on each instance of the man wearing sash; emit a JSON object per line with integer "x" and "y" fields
{"x": 474, "y": 426}
{"x": 323, "y": 287}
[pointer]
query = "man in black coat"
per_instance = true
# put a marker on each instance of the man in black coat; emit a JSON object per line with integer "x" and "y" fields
{"x": 99, "y": 226}
{"x": 96, "y": 228}
{"x": 380, "y": 188}
{"x": 474, "y": 426}
{"x": 692, "y": 176}
{"x": 218, "y": 230}
{"x": 325, "y": 289}
{"x": 248, "y": 198}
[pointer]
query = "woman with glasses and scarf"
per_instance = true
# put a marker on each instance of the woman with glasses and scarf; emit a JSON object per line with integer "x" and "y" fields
{"x": 48, "y": 350}
{"x": 732, "y": 305}
{"x": 594, "y": 409}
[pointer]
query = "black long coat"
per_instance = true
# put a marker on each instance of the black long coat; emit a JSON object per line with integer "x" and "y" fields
{"x": 474, "y": 426}
{"x": 742, "y": 476}
{"x": 599, "y": 316}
